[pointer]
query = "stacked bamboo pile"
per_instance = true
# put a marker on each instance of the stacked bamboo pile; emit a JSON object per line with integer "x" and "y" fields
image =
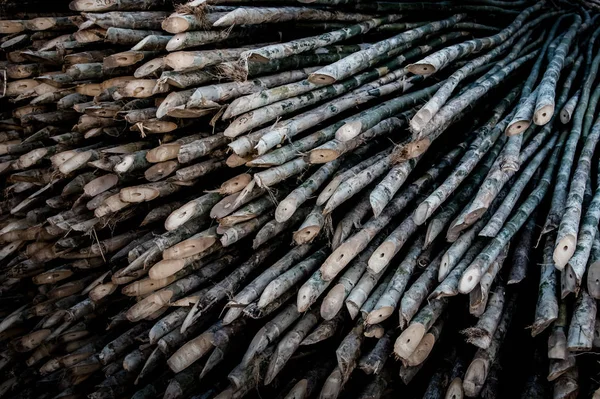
{"x": 287, "y": 199}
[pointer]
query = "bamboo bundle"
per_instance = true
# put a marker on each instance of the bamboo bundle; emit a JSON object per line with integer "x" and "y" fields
{"x": 275, "y": 197}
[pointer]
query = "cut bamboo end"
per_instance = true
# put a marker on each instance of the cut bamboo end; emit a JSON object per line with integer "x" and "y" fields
{"x": 138, "y": 194}
{"x": 422, "y": 351}
{"x": 100, "y": 184}
{"x": 255, "y": 57}
{"x": 160, "y": 170}
{"x": 164, "y": 152}
{"x": 321, "y": 79}
{"x": 175, "y": 24}
{"x": 409, "y": 340}
{"x": 421, "y": 69}
{"x": 444, "y": 270}
{"x": 593, "y": 280}
{"x": 11, "y": 26}
{"x": 517, "y": 127}
{"x": 421, "y": 214}
{"x": 123, "y": 59}
{"x": 32, "y": 340}
{"x": 235, "y": 184}
{"x": 149, "y": 68}
{"x": 177, "y": 42}
{"x": 418, "y": 122}
{"x": 455, "y": 390}
{"x": 165, "y": 268}
{"x": 188, "y": 248}
{"x": 126, "y": 164}
{"x": 180, "y": 61}
{"x": 180, "y": 216}
{"x": 300, "y": 390}
{"x": 333, "y": 302}
{"x": 475, "y": 378}
{"x": 564, "y": 250}
{"x": 148, "y": 306}
{"x": 378, "y": 315}
{"x": 543, "y": 115}
{"x": 52, "y": 277}
{"x": 146, "y": 286}
{"x": 285, "y": 210}
{"x": 102, "y": 291}
{"x": 303, "y": 299}
{"x": 348, "y": 131}
{"x": 189, "y": 353}
{"x": 381, "y": 257}
{"x": 469, "y": 280}
{"x": 320, "y": 156}
{"x": 306, "y": 234}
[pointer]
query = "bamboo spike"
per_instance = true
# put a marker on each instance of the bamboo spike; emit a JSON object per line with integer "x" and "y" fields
{"x": 418, "y": 292}
{"x": 478, "y": 370}
{"x": 253, "y": 290}
{"x": 390, "y": 299}
{"x": 288, "y": 344}
{"x": 479, "y": 296}
{"x": 410, "y": 338}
